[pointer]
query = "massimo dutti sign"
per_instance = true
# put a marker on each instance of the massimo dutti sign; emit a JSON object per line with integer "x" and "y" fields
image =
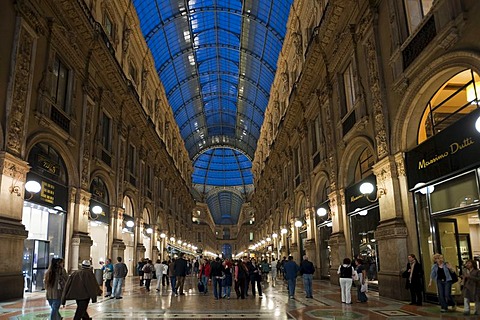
{"x": 452, "y": 150}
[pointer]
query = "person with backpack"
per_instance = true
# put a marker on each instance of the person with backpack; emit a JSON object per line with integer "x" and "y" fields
{"x": 346, "y": 273}
{"x": 147, "y": 273}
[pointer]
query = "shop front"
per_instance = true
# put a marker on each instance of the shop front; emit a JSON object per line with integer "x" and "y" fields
{"x": 99, "y": 219}
{"x": 128, "y": 238}
{"x": 443, "y": 174}
{"x": 364, "y": 216}
{"x": 44, "y": 215}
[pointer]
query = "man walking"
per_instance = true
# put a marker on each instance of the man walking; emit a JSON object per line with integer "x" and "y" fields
{"x": 180, "y": 272}
{"x": 291, "y": 270}
{"x": 306, "y": 270}
{"x": 216, "y": 276}
{"x": 120, "y": 271}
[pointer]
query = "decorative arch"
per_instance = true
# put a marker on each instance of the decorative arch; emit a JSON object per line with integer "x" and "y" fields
{"x": 300, "y": 204}
{"x": 352, "y": 152}
{"x": 109, "y": 185}
{"x": 62, "y": 149}
{"x": 321, "y": 181}
{"x": 422, "y": 88}
{"x": 128, "y": 204}
{"x": 147, "y": 215}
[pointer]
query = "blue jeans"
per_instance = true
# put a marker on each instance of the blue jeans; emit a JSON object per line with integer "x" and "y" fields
{"x": 117, "y": 287}
{"x": 55, "y": 306}
{"x": 445, "y": 294}
{"x": 307, "y": 283}
{"x": 291, "y": 286}
{"x": 227, "y": 291}
{"x": 205, "y": 283}
{"x": 217, "y": 287}
{"x": 173, "y": 281}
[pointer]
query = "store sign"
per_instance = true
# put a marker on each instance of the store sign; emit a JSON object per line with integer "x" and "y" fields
{"x": 354, "y": 199}
{"x": 52, "y": 194}
{"x": 47, "y": 165}
{"x": 452, "y": 150}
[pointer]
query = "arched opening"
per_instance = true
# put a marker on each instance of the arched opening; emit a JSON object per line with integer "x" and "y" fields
{"x": 128, "y": 234}
{"x": 147, "y": 232}
{"x": 44, "y": 214}
{"x": 99, "y": 219}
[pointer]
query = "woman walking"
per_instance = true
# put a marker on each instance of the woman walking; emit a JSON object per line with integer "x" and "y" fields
{"x": 55, "y": 279}
{"x": 441, "y": 274}
{"x": 471, "y": 287}
{"x": 414, "y": 276}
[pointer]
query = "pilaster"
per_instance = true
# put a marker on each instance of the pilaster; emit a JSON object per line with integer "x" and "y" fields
{"x": 391, "y": 236}
{"x": 337, "y": 244}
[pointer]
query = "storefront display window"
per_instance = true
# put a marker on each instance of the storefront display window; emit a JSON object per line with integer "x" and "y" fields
{"x": 363, "y": 225}
{"x": 449, "y": 223}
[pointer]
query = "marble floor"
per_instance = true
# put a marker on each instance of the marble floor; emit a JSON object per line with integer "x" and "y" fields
{"x": 275, "y": 304}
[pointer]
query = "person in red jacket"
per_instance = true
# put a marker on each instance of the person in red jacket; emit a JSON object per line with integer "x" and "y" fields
{"x": 204, "y": 274}
{"x": 81, "y": 286}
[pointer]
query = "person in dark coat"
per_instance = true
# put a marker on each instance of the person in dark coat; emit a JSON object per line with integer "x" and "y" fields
{"x": 180, "y": 269}
{"x": 414, "y": 276}
{"x": 255, "y": 275}
{"x": 216, "y": 275}
{"x": 81, "y": 286}
{"x": 291, "y": 271}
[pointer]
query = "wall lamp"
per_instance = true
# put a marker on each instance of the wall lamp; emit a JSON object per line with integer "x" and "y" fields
{"x": 298, "y": 223}
{"x": 96, "y": 210}
{"x": 163, "y": 235}
{"x": 149, "y": 230}
{"x": 274, "y": 235}
{"x": 130, "y": 223}
{"x": 367, "y": 188}
{"x": 269, "y": 239}
{"x": 32, "y": 187}
{"x": 284, "y": 231}
{"x": 477, "y": 124}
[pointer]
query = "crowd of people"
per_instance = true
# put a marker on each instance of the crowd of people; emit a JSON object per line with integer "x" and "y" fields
{"x": 248, "y": 277}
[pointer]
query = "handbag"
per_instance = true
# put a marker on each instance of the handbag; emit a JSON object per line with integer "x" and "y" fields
{"x": 454, "y": 276}
{"x": 355, "y": 275}
{"x": 107, "y": 275}
{"x": 364, "y": 287}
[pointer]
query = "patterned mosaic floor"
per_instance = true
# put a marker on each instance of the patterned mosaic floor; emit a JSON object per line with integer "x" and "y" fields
{"x": 139, "y": 304}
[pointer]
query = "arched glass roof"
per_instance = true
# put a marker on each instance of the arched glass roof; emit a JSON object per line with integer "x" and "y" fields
{"x": 217, "y": 61}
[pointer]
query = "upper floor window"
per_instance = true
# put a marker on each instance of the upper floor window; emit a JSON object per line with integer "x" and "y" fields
{"x": 133, "y": 72}
{"x": 131, "y": 159}
{"x": 364, "y": 165}
{"x": 454, "y": 99}
{"x": 61, "y": 86}
{"x": 415, "y": 11}
{"x": 106, "y": 132}
{"x": 109, "y": 26}
{"x": 318, "y": 143}
{"x": 349, "y": 87}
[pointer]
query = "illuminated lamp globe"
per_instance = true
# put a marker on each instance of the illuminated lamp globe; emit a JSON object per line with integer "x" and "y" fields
{"x": 274, "y": 235}
{"x": 366, "y": 188}
{"x": 33, "y": 186}
{"x": 130, "y": 223}
{"x": 97, "y": 209}
{"x": 269, "y": 239}
{"x": 284, "y": 231}
{"x": 172, "y": 239}
{"x": 477, "y": 124}
{"x": 298, "y": 223}
{"x": 321, "y": 212}
{"x": 262, "y": 242}
{"x": 149, "y": 230}
{"x": 162, "y": 235}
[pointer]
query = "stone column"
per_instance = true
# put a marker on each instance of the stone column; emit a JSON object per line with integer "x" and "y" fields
{"x": 294, "y": 247}
{"x": 116, "y": 225}
{"x": 310, "y": 243}
{"x": 80, "y": 241}
{"x": 337, "y": 242}
{"x": 12, "y": 231}
{"x": 391, "y": 233}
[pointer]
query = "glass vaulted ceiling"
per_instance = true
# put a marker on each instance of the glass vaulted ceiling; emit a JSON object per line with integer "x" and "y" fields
{"x": 217, "y": 61}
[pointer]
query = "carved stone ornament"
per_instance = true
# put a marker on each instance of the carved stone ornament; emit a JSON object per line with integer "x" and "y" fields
{"x": 19, "y": 93}
{"x": 86, "y": 148}
{"x": 126, "y": 39}
{"x": 379, "y": 118}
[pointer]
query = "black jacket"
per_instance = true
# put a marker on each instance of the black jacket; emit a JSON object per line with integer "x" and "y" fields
{"x": 180, "y": 267}
{"x": 306, "y": 267}
{"x": 417, "y": 277}
{"x": 215, "y": 269}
